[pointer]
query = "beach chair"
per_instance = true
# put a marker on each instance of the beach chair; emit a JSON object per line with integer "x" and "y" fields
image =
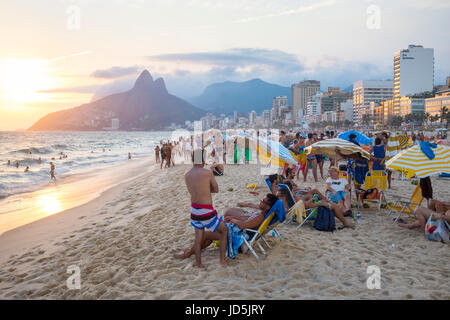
{"x": 281, "y": 186}
{"x": 374, "y": 179}
{"x": 405, "y": 205}
{"x": 275, "y": 216}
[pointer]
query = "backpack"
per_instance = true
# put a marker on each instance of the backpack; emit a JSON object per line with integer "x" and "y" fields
{"x": 325, "y": 220}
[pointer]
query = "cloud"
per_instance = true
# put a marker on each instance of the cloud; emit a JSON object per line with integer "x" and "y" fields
{"x": 297, "y": 10}
{"x": 78, "y": 89}
{"x": 237, "y": 57}
{"x": 116, "y": 72}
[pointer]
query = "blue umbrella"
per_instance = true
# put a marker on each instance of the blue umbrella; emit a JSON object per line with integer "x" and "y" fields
{"x": 360, "y": 138}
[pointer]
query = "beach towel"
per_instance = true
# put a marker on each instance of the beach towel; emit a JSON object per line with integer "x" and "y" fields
{"x": 235, "y": 239}
{"x": 298, "y": 211}
{"x": 280, "y": 213}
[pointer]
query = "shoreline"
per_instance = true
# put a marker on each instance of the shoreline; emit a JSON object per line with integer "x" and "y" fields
{"x": 67, "y": 193}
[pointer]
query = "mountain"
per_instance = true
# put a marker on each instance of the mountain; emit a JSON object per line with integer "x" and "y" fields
{"x": 348, "y": 89}
{"x": 147, "y": 106}
{"x": 226, "y": 97}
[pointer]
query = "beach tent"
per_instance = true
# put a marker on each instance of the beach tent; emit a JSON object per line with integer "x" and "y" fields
{"x": 360, "y": 137}
{"x": 330, "y": 148}
{"x": 273, "y": 152}
{"x": 413, "y": 161}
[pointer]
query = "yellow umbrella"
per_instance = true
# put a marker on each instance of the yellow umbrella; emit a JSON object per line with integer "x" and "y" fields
{"x": 413, "y": 161}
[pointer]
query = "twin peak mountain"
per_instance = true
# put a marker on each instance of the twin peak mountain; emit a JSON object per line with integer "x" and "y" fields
{"x": 147, "y": 106}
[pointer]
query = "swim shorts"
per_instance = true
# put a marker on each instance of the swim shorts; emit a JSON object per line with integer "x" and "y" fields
{"x": 339, "y": 196}
{"x": 203, "y": 216}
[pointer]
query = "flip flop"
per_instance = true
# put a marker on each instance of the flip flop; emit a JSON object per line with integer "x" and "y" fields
{"x": 345, "y": 227}
{"x": 254, "y": 192}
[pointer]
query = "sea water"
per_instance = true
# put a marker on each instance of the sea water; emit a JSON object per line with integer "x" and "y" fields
{"x": 85, "y": 151}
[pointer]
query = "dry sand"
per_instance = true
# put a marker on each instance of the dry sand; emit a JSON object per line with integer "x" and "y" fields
{"x": 123, "y": 243}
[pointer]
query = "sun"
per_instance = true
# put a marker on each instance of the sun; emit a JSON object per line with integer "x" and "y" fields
{"x": 21, "y": 80}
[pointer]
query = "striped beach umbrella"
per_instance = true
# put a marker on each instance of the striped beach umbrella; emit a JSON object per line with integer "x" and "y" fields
{"x": 330, "y": 147}
{"x": 274, "y": 152}
{"x": 413, "y": 161}
{"x": 403, "y": 140}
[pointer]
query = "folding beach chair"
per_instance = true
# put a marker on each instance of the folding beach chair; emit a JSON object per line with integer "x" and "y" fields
{"x": 275, "y": 216}
{"x": 375, "y": 179}
{"x": 281, "y": 186}
{"x": 408, "y": 206}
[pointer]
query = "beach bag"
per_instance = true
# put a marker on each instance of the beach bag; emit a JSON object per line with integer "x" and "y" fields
{"x": 370, "y": 194}
{"x": 437, "y": 230}
{"x": 325, "y": 220}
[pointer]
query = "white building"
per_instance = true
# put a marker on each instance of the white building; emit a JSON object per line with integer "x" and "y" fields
{"x": 347, "y": 107}
{"x": 279, "y": 103}
{"x": 413, "y": 72}
{"x": 300, "y": 95}
{"x": 313, "y": 106}
{"x": 252, "y": 118}
{"x": 367, "y": 91}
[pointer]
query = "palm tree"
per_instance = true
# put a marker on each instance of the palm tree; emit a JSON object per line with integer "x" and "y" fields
{"x": 444, "y": 113}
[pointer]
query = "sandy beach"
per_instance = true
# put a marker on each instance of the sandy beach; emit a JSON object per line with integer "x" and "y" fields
{"x": 123, "y": 242}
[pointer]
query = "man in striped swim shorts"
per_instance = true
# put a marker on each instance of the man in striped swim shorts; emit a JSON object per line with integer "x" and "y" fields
{"x": 201, "y": 183}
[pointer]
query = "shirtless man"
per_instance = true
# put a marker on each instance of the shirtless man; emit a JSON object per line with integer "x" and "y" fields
{"x": 245, "y": 219}
{"x": 201, "y": 183}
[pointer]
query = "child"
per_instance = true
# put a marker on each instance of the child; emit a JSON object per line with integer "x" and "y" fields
{"x": 339, "y": 189}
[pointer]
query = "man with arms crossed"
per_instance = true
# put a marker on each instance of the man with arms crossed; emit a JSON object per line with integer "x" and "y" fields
{"x": 201, "y": 183}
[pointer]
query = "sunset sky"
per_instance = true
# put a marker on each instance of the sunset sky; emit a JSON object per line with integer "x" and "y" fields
{"x": 57, "y": 54}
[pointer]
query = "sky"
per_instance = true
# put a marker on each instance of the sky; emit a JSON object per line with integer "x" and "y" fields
{"x": 58, "y": 54}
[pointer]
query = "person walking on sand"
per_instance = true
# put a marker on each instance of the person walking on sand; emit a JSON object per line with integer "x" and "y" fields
{"x": 200, "y": 183}
{"x": 52, "y": 171}
{"x": 157, "y": 154}
{"x": 129, "y": 156}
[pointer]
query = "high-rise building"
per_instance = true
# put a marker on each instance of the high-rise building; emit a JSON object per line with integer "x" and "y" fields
{"x": 434, "y": 105}
{"x": 413, "y": 72}
{"x": 278, "y": 103}
{"x": 252, "y": 118}
{"x": 367, "y": 91}
{"x": 313, "y": 106}
{"x": 347, "y": 108}
{"x": 333, "y": 98}
{"x": 300, "y": 95}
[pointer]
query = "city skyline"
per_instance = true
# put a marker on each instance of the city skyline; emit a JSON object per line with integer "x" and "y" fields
{"x": 74, "y": 51}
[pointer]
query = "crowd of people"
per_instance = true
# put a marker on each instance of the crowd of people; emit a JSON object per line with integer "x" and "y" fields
{"x": 210, "y": 226}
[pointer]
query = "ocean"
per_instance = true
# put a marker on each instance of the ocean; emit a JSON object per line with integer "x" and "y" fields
{"x": 73, "y": 153}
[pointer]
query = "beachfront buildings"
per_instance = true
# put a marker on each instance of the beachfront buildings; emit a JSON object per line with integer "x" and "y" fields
{"x": 413, "y": 73}
{"x": 300, "y": 94}
{"x": 367, "y": 91}
{"x": 434, "y": 105}
{"x": 411, "y": 105}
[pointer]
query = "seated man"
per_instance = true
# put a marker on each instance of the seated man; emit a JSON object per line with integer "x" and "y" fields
{"x": 314, "y": 199}
{"x": 273, "y": 179}
{"x": 422, "y": 215}
{"x": 339, "y": 189}
{"x": 243, "y": 219}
